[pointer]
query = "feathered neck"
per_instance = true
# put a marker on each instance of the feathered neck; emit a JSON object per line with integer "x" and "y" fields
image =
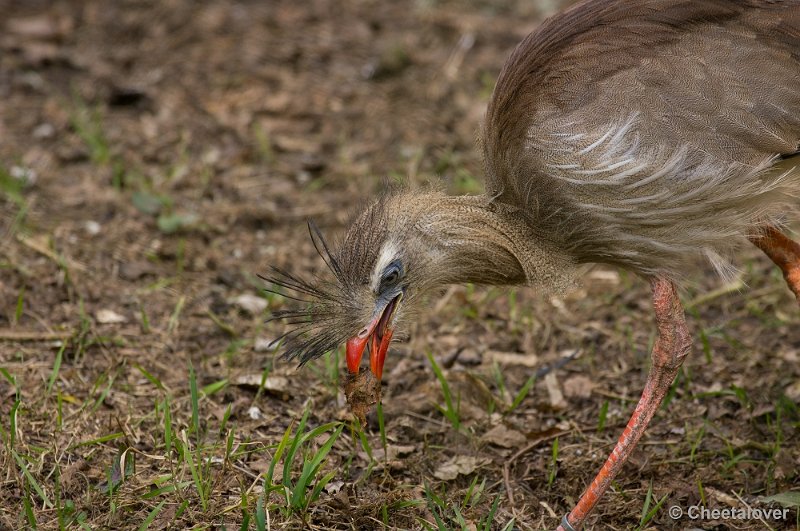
{"x": 473, "y": 239}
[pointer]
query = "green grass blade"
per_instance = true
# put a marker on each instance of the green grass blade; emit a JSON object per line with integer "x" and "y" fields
{"x": 603, "y": 417}
{"x": 261, "y": 514}
{"x": 56, "y": 367}
{"x": 510, "y": 525}
{"x": 486, "y": 523}
{"x": 167, "y": 427}
{"x": 31, "y": 480}
{"x": 448, "y": 411}
{"x": 310, "y": 468}
{"x": 790, "y": 498}
{"x": 196, "y": 477}
{"x": 98, "y": 440}
{"x": 152, "y": 379}
{"x": 315, "y": 492}
{"x": 287, "y": 464}
{"x": 20, "y": 305}
{"x": 195, "y": 403}
{"x": 152, "y": 516}
{"x": 28, "y": 508}
{"x": 12, "y": 416}
{"x": 10, "y": 377}
{"x": 523, "y": 392}
{"x": 459, "y": 518}
{"x": 365, "y": 443}
{"x": 646, "y": 506}
{"x": 651, "y": 514}
{"x": 382, "y": 427}
{"x": 551, "y": 477}
{"x": 277, "y": 456}
{"x": 212, "y": 388}
{"x": 175, "y": 487}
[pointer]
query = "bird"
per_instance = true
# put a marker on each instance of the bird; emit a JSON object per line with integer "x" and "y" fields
{"x": 649, "y": 136}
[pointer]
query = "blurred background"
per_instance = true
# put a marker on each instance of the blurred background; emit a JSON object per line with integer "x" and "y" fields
{"x": 156, "y": 156}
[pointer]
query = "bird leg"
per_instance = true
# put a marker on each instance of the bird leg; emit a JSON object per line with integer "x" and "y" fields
{"x": 670, "y": 349}
{"x": 782, "y": 250}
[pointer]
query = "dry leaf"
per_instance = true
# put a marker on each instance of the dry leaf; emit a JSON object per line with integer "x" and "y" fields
{"x": 722, "y": 497}
{"x": 399, "y": 450}
{"x": 793, "y": 391}
{"x": 393, "y": 452}
{"x": 554, "y": 392}
{"x": 459, "y": 464}
{"x": 44, "y": 27}
{"x": 512, "y": 358}
{"x": 334, "y": 486}
{"x": 605, "y": 276}
{"x": 578, "y": 386}
{"x": 271, "y": 383}
{"x": 504, "y": 437}
{"x": 262, "y": 466}
{"x": 792, "y": 356}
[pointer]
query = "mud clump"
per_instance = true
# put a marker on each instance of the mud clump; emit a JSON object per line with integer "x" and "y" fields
{"x": 362, "y": 391}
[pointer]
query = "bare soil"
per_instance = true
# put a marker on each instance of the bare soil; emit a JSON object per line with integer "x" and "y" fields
{"x": 155, "y": 156}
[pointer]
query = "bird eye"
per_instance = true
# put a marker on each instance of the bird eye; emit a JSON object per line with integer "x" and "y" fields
{"x": 391, "y": 275}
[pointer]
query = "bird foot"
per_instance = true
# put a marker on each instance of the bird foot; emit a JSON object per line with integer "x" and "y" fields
{"x": 782, "y": 250}
{"x": 670, "y": 349}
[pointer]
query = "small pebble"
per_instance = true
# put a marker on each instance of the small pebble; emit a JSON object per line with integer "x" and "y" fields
{"x": 44, "y": 130}
{"x": 263, "y": 344}
{"x": 106, "y": 316}
{"x": 252, "y": 304}
{"x": 26, "y": 176}
{"x": 92, "y": 227}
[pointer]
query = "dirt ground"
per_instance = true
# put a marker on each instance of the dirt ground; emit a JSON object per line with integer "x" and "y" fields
{"x": 156, "y": 156}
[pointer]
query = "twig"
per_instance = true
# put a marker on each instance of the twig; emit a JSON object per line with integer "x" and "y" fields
{"x": 751, "y": 511}
{"x": 439, "y": 423}
{"x": 536, "y": 442}
{"x": 507, "y": 481}
{"x": 615, "y": 396}
{"x": 32, "y": 335}
{"x": 444, "y": 299}
{"x": 735, "y": 285}
{"x": 39, "y": 247}
{"x": 546, "y": 369}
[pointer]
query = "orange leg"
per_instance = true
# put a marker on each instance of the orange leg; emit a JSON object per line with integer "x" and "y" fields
{"x": 782, "y": 250}
{"x": 671, "y": 348}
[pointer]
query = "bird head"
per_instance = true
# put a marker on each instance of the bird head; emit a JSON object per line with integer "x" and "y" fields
{"x": 380, "y": 270}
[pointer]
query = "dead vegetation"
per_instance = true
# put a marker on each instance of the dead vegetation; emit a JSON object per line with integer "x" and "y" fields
{"x": 157, "y": 156}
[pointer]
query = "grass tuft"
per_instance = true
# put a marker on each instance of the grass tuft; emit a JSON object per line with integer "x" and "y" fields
{"x": 450, "y": 411}
{"x": 294, "y": 451}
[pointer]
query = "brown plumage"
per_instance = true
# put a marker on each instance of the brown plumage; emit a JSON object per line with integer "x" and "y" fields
{"x": 639, "y": 134}
{"x": 593, "y": 107}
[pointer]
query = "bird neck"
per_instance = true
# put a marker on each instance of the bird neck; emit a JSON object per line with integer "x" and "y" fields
{"x": 479, "y": 241}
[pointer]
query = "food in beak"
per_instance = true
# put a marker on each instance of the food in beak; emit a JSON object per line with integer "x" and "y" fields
{"x": 380, "y": 333}
{"x": 362, "y": 390}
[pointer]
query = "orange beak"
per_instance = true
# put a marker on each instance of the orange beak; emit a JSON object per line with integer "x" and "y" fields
{"x": 381, "y": 335}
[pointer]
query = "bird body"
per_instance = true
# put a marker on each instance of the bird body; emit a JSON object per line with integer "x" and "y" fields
{"x": 638, "y": 134}
{"x": 641, "y": 134}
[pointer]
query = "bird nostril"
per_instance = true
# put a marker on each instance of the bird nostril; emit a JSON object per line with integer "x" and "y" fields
{"x": 363, "y": 333}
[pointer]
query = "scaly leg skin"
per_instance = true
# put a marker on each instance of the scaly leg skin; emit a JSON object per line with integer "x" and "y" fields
{"x": 671, "y": 348}
{"x": 782, "y": 250}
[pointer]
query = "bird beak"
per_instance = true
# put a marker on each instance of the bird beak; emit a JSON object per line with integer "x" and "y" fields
{"x": 379, "y": 331}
